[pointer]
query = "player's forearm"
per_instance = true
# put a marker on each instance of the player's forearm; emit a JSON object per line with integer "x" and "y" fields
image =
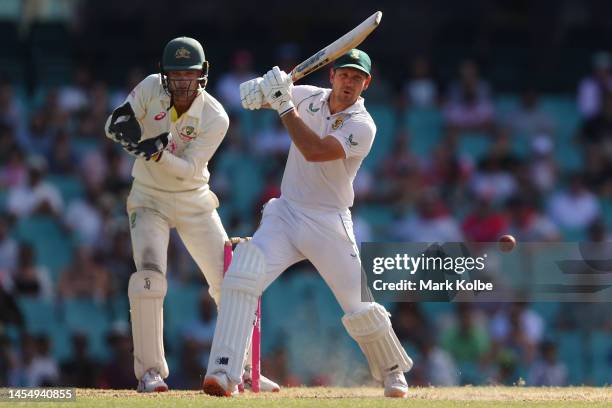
{"x": 307, "y": 141}
{"x": 177, "y": 166}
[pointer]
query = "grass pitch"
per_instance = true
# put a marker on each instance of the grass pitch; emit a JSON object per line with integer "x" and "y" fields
{"x": 464, "y": 397}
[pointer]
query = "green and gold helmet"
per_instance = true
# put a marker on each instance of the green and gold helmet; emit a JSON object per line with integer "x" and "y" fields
{"x": 184, "y": 54}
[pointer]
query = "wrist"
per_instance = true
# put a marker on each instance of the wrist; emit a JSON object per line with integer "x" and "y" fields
{"x": 285, "y": 107}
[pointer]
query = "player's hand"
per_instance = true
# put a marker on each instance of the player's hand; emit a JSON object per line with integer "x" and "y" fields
{"x": 150, "y": 149}
{"x": 276, "y": 88}
{"x": 250, "y": 94}
{"x": 124, "y": 127}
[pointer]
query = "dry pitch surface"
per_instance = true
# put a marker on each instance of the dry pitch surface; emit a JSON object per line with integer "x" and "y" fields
{"x": 485, "y": 397}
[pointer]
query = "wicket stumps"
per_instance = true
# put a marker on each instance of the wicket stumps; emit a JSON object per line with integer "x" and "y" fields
{"x": 256, "y": 341}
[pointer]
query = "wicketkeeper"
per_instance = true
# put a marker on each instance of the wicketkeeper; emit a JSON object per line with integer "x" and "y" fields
{"x": 173, "y": 127}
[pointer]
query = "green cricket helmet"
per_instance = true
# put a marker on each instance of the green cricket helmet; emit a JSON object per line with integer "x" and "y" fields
{"x": 184, "y": 54}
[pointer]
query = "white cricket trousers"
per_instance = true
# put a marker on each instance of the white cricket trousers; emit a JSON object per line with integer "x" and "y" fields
{"x": 289, "y": 233}
{"x": 193, "y": 213}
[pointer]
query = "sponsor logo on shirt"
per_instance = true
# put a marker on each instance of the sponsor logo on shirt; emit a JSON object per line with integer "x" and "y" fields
{"x": 349, "y": 140}
{"x": 337, "y": 123}
{"x": 186, "y": 133}
{"x": 160, "y": 116}
{"x": 312, "y": 108}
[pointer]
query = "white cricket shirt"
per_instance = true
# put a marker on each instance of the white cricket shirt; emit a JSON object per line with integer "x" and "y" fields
{"x": 196, "y": 135}
{"x": 327, "y": 185}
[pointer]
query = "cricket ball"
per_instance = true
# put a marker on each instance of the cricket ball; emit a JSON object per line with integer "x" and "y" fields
{"x": 506, "y": 243}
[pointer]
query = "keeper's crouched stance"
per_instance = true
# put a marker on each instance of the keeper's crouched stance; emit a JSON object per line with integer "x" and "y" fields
{"x": 173, "y": 127}
{"x": 331, "y": 133}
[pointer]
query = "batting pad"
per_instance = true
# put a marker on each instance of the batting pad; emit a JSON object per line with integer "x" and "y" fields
{"x": 241, "y": 288}
{"x": 371, "y": 329}
{"x": 247, "y": 271}
{"x": 146, "y": 291}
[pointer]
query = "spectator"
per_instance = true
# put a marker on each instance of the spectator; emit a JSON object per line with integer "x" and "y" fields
{"x": 469, "y": 107}
{"x": 447, "y": 171}
{"x": 188, "y": 377}
{"x": 44, "y": 370}
{"x": 410, "y": 323}
{"x": 8, "y": 248}
{"x": 10, "y": 314}
{"x": 467, "y": 342}
{"x": 421, "y": 91}
{"x": 435, "y": 367}
{"x": 118, "y": 260}
{"x": 38, "y": 137}
{"x": 528, "y": 119}
{"x": 83, "y": 217}
{"x": 528, "y": 224}
{"x": 8, "y": 360}
{"x": 273, "y": 142}
{"x": 116, "y": 374}
{"x": 13, "y": 170}
{"x": 431, "y": 222}
{"x": 73, "y": 98}
{"x": 55, "y": 117}
{"x": 31, "y": 279}
{"x": 548, "y": 371}
{"x": 62, "y": 158}
{"x": 518, "y": 329}
{"x": 38, "y": 368}
{"x": 11, "y": 111}
{"x": 574, "y": 207}
{"x": 494, "y": 178}
{"x": 593, "y": 87}
{"x": 36, "y": 197}
{"x": 484, "y": 224}
{"x": 542, "y": 165}
{"x": 80, "y": 370}
{"x": 228, "y": 88}
{"x": 596, "y": 140}
{"x": 85, "y": 278}
{"x": 199, "y": 333}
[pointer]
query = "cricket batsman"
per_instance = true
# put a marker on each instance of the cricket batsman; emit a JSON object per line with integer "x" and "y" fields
{"x": 331, "y": 133}
{"x": 173, "y": 127}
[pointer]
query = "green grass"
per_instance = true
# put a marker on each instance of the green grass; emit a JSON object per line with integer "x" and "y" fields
{"x": 463, "y": 397}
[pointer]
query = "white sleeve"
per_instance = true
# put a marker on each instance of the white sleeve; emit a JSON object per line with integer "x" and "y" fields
{"x": 194, "y": 158}
{"x": 301, "y": 92}
{"x": 356, "y": 136}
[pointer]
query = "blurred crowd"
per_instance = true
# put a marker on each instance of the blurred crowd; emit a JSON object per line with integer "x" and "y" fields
{"x": 486, "y": 171}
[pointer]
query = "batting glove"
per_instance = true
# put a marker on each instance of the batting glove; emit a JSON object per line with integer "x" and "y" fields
{"x": 150, "y": 149}
{"x": 250, "y": 94}
{"x": 276, "y": 88}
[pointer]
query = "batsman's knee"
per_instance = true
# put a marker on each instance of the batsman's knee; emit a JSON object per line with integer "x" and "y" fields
{"x": 247, "y": 272}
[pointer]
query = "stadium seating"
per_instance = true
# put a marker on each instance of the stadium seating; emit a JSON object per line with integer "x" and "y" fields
{"x": 55, "y": 251}
{"x": 601, "y": 358}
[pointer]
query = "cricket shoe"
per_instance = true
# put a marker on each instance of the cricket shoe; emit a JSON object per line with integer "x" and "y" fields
{"x": 395, "y": 385}
{"x": 151, "y": 381}
{"x": 219, "y": 385}
{"x": 265, "y": 384}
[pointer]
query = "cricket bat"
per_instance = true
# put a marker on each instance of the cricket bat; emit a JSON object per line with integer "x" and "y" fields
{"x": 338, "y": 48}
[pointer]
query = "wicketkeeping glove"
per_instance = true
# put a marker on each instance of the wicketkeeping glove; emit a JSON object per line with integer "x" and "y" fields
{"x": 276, "y": 88}
{"x": 124, "y": 127}
{"x": 150, "y": 148}
{"x": 251, "y": 95}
